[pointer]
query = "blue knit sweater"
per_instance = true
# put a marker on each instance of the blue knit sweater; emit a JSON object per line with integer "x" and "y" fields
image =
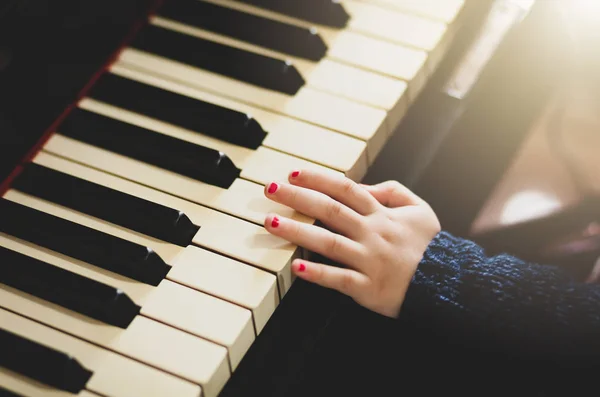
{"x": 502, "y": 303}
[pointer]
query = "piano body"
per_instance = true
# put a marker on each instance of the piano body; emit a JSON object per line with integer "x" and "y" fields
{"x": 136, "y": 140}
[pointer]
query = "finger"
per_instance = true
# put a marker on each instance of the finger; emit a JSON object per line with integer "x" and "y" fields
{"x": 338, "y": 187}
{"x": 392, "y": 194}
{"x": 316, "y": 205}
{"x": 316, "y": 239}
{"x": 347, "y": 281}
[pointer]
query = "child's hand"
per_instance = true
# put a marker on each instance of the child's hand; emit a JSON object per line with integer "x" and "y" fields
{"x": 379, "y": 232}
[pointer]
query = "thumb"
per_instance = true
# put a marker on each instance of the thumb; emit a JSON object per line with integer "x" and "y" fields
{"x": 392, "y": 194}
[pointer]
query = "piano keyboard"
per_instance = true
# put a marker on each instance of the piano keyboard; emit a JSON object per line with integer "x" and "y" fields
{"x": 135, "y": 258}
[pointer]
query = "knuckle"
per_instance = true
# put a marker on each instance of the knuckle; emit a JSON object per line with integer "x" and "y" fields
{"x": 334, "y": 244}
{"x": 388, "y": 236}
{"x": 387, "y": 229}
{"x": 391, "y": 185}
{"x": 346, "y": 283}
{"x": 363, "y": 225}
{"x": 293, "y": 196}
{"x": 364, "y": 253}
{"x": 397, "y": 188}
{"x": 319, "y": 273}
{"x": 333, "y": 209}
{"x": 348, "y": 186}
{"x": 296, "y": 232}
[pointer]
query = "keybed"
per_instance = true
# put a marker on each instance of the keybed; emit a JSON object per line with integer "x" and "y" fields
{"x": 140, "y": 264}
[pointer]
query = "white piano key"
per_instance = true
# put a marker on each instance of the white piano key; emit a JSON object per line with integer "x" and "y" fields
{"x": 113, "y": 375}
{"x": 198, "y": 268}
{"x": 395, "y": 26}
{"x": 441, "y": 10}
{"x": 257, "y": 165}
{"x": 328, "y": 75}
{"x": 243, "y": 199}
{"x": 317, "y": 107}
{"x": 328, "y": 111}
{"x": 218, "y": 321}
{"x": 177, "y": 352}
{"x": 354, "y": 48}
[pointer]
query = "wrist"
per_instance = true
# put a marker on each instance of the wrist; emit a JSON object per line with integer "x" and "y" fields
{"x": 435, "y": 266}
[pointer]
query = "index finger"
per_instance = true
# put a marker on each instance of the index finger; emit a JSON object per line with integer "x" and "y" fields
{"x": 338, "y": 187}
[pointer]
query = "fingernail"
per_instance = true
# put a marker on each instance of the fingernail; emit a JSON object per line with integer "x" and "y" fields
{"x": 273, "y": 188}
{"x": 301, "y": 267}
{"x": 295, "y": 174}
{"x": 274, "y": 222}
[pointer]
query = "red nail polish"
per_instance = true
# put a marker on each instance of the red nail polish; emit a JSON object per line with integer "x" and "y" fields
{"x": 272, "y": 188}
{"x": 302, "y": 267}
{"x": 295, "y": 174}
{"x": 275, "y": 222}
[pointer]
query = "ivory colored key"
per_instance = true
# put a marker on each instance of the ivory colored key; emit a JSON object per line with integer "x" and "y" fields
{"x": 243, "y": 199}
{"x": 113, "y": 375}
{"x": 284, "y": 134}
{"x": 103, "y": 250}
{"x": 355, "y": 48}
{"x": 91, "y": 298}
{"x": 442, "y": 10}
{"x": 197, "y": 313}
{"x": 310, "y": 105}
{"x": 394, "y": 26}
{"x": 170, "y": 303}
{"x": 293, "y": 40}
{"x": 390, "y": 24}
{"x": 177, "y": 352}
{"x": 200, "y": 269}
{"x": 259, "y": 70}
{"x": 143, "y": 216}
{"x": 194, "y": 161}
{"x": 402, "y": 28}
{"x": 437, "y": 11}
{"x": 330, "y": 76}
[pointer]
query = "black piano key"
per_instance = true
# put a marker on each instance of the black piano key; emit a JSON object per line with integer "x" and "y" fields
{"x": 69, "y": 290}
{"x": 111, "y": 205}
{"x": 259, "y": 70}
{"x": 83, "y": 243}
{"x": 323, "y": 12}
{"x": 195, "y": 115}
{"x": 185, "y": 158}
{"x": 290, "y": 39}
{"x": 41, "y": 363}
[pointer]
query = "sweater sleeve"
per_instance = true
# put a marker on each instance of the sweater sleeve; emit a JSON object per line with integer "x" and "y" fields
{"x": 502, "y": 302}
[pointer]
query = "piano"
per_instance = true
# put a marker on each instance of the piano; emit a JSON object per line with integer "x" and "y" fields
{"x": 137, "y": 138}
